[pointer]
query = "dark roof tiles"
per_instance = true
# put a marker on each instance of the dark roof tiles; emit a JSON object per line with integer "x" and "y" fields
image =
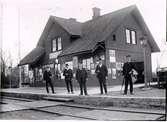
{"x": 33, "y": 56}
{"x": 70, "y": 25}
{"x": 97, "y": 30}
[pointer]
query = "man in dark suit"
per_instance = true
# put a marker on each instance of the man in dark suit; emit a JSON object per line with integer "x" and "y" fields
{"x": 127, "y": 72}
{"x": 102, "y": 73}
{"x": 68, "y": 78}
{"x": 47, "y": 77}
{"x": 81, "y": 77}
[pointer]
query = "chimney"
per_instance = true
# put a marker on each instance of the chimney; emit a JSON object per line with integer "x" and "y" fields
{"x": 96, "y": 12}
{"x": 72, "y": 19}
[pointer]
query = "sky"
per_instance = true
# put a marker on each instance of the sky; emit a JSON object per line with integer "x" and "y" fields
{"x": 25, "y": 20}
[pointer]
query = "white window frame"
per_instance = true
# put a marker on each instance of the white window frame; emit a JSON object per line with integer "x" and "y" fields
{"x": 87, "y": 63}
{"x": 131, "y": 36}
{"x": 59, "y": 43}
{"x": 128, "y": 36}
{"x": 56, "y": 44}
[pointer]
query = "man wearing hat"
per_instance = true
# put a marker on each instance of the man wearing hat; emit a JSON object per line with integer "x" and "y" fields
{"x": 102, "y": 73}
{"x": 127, "y": 72}
{"x": 47, "y": 77}
{"x": 68, "y": 78}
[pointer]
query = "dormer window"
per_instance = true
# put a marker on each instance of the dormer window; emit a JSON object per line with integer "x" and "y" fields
{"x": 56, "y": 44}
{"x": 130, "y": 36}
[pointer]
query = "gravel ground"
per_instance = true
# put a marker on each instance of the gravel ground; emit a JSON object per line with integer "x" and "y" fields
{"x": 27, "y": 114}
{"x": 141, "y": 92}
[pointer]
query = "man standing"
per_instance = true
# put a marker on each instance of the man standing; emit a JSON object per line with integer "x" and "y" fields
{"x": 47, "y": 77}
{"x": 102, "y": 73}
{"x": 68, "y": 78}
{"x": 81, "y": 77}
{"x": 127, "y": 72}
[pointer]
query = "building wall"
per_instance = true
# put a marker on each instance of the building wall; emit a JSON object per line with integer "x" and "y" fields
{"x": 55, "y": 31}
{"x": 122, "y": 48}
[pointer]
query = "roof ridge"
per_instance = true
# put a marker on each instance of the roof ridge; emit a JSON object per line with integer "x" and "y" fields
{"x": 113, "y": 12}
{"x": 66, "y": 19}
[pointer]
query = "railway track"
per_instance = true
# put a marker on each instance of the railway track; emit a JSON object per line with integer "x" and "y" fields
{"x": 43, "y": 109}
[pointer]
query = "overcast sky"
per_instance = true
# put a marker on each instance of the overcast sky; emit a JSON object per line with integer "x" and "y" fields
{"x": 31, "y": 17}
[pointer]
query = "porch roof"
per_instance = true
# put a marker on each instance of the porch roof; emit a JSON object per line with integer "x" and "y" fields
{"x": 33, "y": 56}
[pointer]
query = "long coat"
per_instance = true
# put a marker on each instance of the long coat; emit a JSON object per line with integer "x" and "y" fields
{"x": 127, "y": 68}
{"x": 47, "y": 75}
{"x": 81, "y": 74}
{"x": 68, "y": 74}
{"x": 101, "y": 72}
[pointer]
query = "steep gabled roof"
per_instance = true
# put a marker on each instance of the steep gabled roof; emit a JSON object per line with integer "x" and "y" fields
{"x": 92, "y": 31}
{"x": 33, "y": 56}
{"x": 97, "y": 30}
{"x": 141, "y": 22}
{"x": 70, "y": 25}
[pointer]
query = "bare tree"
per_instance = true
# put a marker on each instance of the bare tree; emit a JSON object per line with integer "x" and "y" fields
{"x": 5, "y": 65}
{"x": 6, "y": 61}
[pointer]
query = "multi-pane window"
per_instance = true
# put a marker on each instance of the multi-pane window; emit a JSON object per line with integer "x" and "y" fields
{"x": 127, "y": 36}
{"x": 56, "y": 44}
{"x": 133, "y": 34}
{"x": 87, "y": 63}
{"x": 59, "y": 43}
{"x": 130, "y": 36}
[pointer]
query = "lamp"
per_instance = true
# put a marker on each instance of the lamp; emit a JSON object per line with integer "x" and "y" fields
{"x": 143, "y": 42}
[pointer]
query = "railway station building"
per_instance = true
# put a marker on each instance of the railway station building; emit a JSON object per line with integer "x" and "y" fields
{"x": 110, "y": 37}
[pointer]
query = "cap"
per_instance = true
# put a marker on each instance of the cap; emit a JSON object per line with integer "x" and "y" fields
{"x": 128, "y": 56}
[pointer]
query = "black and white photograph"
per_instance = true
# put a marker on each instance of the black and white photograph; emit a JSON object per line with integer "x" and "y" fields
{"x": 92, "y": 60}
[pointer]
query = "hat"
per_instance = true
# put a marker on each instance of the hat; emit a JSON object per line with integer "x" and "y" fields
{"x": 128, "y": 56}
{"x": 100, "y": 59}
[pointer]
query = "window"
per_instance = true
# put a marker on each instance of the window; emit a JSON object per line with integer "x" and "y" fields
{"x": 87, "y": 63}
{"x": 114, "y": 37}
{"x": 59, "y": 43}
{"x": 133, "y": 34}
{"x": 130, "y": 36}
{"x": 56, "y": 44}
{"x": 127, "y": 36}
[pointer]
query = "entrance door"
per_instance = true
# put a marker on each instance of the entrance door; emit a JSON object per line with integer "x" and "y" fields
{"x": 139, "y": 67}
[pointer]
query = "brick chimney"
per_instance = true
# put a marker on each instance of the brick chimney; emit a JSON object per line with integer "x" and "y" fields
{"x": 72, "y": 19}
{"x": 96, "y": 12}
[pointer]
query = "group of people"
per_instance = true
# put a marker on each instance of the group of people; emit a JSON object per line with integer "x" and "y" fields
{"x": 82, "y": 77}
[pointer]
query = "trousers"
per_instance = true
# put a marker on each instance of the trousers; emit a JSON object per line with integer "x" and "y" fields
{"x": 49, "y": 82}
{"x": 102, "y": 82}
{"x": 69, "y": 85}
{"x": 83, "y": 88}
{"x": 128, "y": 80}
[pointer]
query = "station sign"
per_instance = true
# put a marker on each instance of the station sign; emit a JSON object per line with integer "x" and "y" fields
{"x": 54, "y": 55}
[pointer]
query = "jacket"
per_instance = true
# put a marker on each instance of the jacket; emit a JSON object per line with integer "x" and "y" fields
{"x": 102, "y": 71}
{"x": 81, "y": 74}
{"x": 47, "y": 75}
{"x": 68, "y": 74}
{"x": 127, "y": 69}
